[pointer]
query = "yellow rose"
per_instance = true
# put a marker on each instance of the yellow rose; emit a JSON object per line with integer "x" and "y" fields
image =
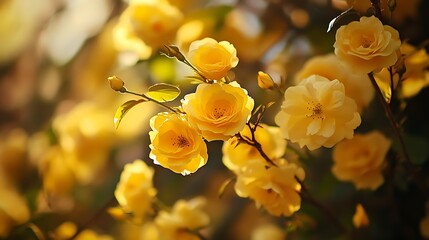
{"x": 268, "y": 231}
{"x": 367, "y": 45}
{"x": 357, "y": 85}
{"x": 58, "y": 177}
{"x": 213, "y": 59}
{"x": 360, "y": 219}
{"x": 317, "y": 113}
{"x": 361, "y": 160}
{"x": 274, "y": 188}
{"x": 13, "y": 208}
{"x": 185, "y": 215}
{"x": 416, "y": 76}
{"x": 85, "y": 135}
{"x": 235, "y": 157}
{"x": 145, "y": 25}
{"x": 175, "y": 144}
{"x": 135, "y": 190}
{"x": 218, "y": 110}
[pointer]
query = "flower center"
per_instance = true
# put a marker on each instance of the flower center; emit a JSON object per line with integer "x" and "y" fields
{"x": 316, "y": 110}
{"x": 219, "y": 112}
{"x": 366, "y": 42}
{"x": 180, "y": 141}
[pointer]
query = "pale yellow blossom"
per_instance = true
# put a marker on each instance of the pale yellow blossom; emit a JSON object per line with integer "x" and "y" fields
{"x": 135, "y": 190}
{"x": 360, "y": 218}
{"x": 361, "y": 160}
{"x": 268, "y": 231}
{"x": 367, "y": 45}
{"x": 236, "y": 156}
{"x": 213, "y": 59}
{"x": 175, "y": 144}
{"x": 357, "y": 85}
{"x": 416, "y": 76}
{"x": 317, "y": 113}
{"x": 185, "y": 216}
{"x": 13, "y": 208}
{"x": 218, "y": 110}
{"x": 147, "y": 25}
{"x": 85, "y": 135}
{"x": 273, "y": 188}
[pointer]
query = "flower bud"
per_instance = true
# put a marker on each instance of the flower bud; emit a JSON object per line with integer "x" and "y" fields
{"x": 116, "y": 83}
{"x": 265, "y": 81}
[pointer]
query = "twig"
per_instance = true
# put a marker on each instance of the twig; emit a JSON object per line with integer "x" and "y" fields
{"x": 398, "y": 131}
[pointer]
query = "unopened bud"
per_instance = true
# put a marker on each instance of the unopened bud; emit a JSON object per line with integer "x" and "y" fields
{"x": 116, "y": 83}
{"x": 174, "y": 52}
{"x": 265, "y": 81}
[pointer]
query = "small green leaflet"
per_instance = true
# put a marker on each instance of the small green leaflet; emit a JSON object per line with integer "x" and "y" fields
{"x": 163, "y": 92}
{"x": 123, "y": 109}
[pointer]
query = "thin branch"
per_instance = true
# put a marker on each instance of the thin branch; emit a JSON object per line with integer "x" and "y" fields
{"x": 155, "y": 101}
{"x": 398, "y": 131}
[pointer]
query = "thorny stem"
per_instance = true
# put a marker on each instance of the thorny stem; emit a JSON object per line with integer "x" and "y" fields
{"x": 398, "y": 131}
{"x": 155, "y": 101}
{"x": 377, "y": 7}
{"x": 305, "y": 195}
{"x": 253, "y": 142}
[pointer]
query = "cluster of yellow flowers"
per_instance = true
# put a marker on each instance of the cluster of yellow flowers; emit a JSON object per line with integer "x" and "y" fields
{"x": 323, "y": 109}
{"x": 319, "y": 112}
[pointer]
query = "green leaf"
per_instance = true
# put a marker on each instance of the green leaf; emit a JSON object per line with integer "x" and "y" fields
{"x": 344, "y": 18}
{"x": 123, "y": 109}
{"x": 163, "y": 92}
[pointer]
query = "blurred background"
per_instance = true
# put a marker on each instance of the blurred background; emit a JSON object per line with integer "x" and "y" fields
{"x": 61, "y": 156}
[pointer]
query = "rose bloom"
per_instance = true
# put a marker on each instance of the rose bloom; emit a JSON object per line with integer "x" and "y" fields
{"x": 175, "y": 144}
{"x": 218, "y": 110}
{"x": 357, "y": 85}
{"x": 235, "y": 157}
{"x": 13, "y": 208}
{"x": 274, "y": 188}
{"x": 268, "y": 231}
{"x": 213, "y": 59}
{"x": 145, "y": 25}
{"x": 361, "y": 160}
{"x": 360, "y": 219}
{"x": 135, "y": 190}
{"x": 317, "y": 113}
{"x": 416, "y": 76}
{"x": 367, "y": 45}
{"x": 185, "y": 215}
{"x": 85, "y": 135}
